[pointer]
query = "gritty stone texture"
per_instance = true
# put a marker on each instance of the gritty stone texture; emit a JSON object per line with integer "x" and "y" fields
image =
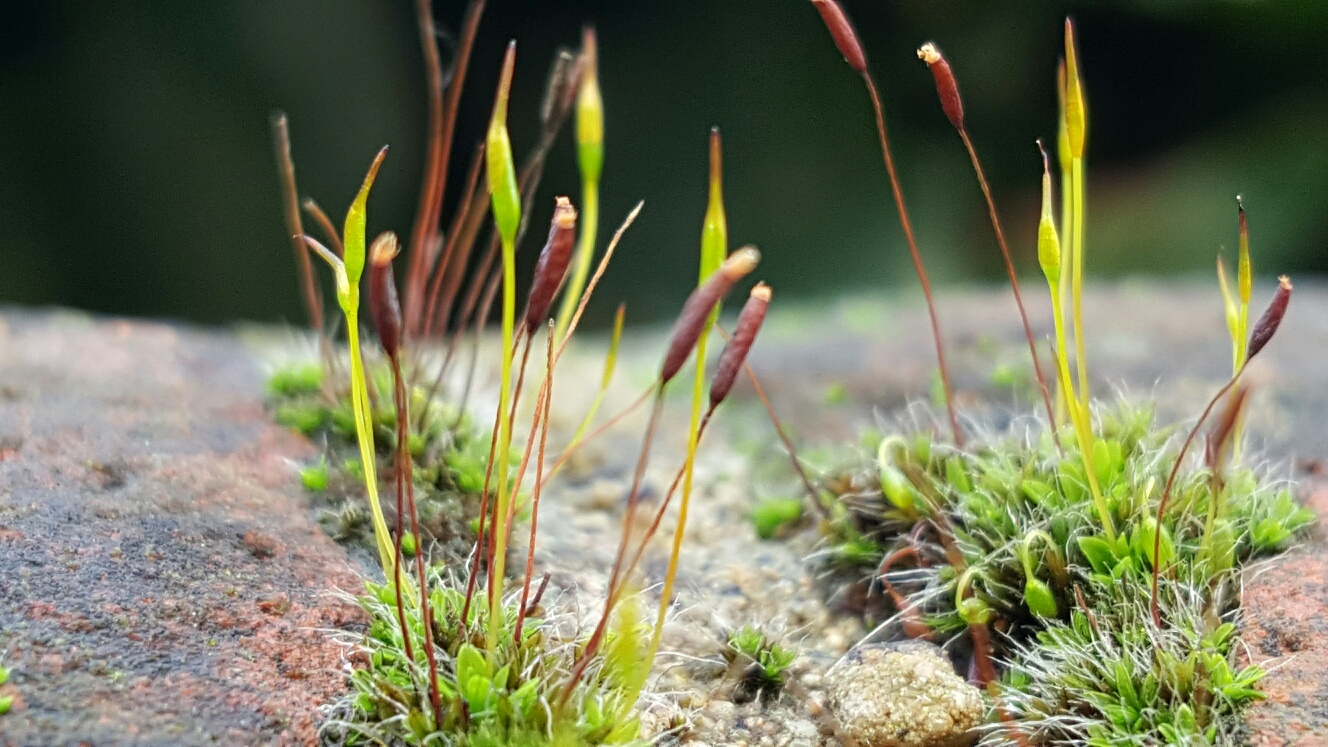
{"x": 904, "y": 695}
{"x": 161, "y": 582}
{"x": 1286, "y": 626}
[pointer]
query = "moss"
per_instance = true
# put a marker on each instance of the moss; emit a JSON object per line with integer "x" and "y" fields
{"x": 517, "y": 696}
{"x": 295, "y": 379}
{"x": 1004, "y": 536}
{"x": 448, "y": 453}
{"x": 764, "y": 662}
{"x": 315, "y": 476}
{"x": 772, "y": 516}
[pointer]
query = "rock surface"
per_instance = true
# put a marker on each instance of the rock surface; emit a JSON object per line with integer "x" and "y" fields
{"x": 1286, "y": 623}
{"x": 904, "y": 695}
{"x": 161, "y": 582}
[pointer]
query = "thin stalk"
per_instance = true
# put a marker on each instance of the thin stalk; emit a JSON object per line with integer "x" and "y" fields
{"x": 633, "y": 499}
{"x": 1014, "y": 281}
{"x": 689, "y": 469}
{"x": 542, "y": 418}
{"x": 406, "y": 480}
{"x": 442, "y": 125}
{"x": 364, "y": 436}
{"x": 498, "y": 562}
{"x": 585, "y": 252}
{"x": 784, "y": 437}
{"x": 1171, "y": 480}
{"x": 916, "y": 257}
{"x": 290, "y": 203}
{"x": 782, "y": 432}
{"x": 1077, "y": 283}
{"x": 1080, "y": 419}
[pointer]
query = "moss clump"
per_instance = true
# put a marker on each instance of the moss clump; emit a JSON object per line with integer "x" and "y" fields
{"x": 516, "y": 694}
{"x": 999, "y": 548}
{"x": 448, "y": 452}
{"x": 774, "y": 516}
{"x": 763, "y": 660}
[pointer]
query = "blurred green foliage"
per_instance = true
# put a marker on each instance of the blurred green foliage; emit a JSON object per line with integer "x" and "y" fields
{"x": 136, "y": 172}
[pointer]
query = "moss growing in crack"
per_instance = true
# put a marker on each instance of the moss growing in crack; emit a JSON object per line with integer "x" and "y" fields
{"x": 763, "y": 662}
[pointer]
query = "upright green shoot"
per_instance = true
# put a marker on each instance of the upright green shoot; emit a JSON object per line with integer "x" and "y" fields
{"x": 348, "y": 272}
{"x": 590, "y": 159}
{"x": 1050, "y": 257}
{"x": 1062, "y": 286}
{"x": 1076, "y": 125}
{"x": 1232, "y": 313}
{"x": 506, "y": 199}
{"x": 714, "y": 250}
{"x": 1244, "y": 283}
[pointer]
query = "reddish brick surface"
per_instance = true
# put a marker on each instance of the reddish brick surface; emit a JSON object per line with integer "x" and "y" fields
{"x": 1287, "y": 629}
{"x": 161, "y": 579}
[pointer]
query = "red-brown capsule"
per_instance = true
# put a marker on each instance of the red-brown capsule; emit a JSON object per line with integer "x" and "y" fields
{"x": 552, "y": 265}
{"x": 692, "y": 318}
{"x": 946, "y": 86}
{"x": 383, "y": 304}
{"x": 1266, "y": 327}
{"x": 841, "y": 30}
{"x": 735, "y": 352}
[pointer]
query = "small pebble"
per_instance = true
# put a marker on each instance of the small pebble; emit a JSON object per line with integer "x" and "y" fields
{"x": 903, "y": 695}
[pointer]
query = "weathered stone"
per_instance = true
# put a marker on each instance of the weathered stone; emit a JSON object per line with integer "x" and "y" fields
{"x": 903, "y": 695}
{"x": 1286, "y": 629}
{"x": 161, "y": 580}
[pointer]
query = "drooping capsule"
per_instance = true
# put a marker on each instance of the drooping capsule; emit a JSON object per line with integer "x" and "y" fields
{"x": 744, "y": 334}
{"x": 551, "y": 267}
{"x": 947, "y": 88}
{"x": 1266, "y": 327}
{"x": 384, "y": 306}
{"x": 841, "y": 30}
{"x": 692, "y": 319}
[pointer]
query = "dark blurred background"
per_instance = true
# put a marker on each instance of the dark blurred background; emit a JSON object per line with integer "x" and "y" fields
{"x": 136, "y": 171}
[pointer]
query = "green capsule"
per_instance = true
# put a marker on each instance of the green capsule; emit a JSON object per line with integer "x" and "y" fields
{"x": 1049, "y": 243}
{"x": 1039, "y": 598}
{"x": 974, "y": 611}
{"x": 590, "y": 112}
{"x": 714, "y": 230}
{"x": 1076, "y": 114}
{"x": 353, "y": 230}
{"x": 500, "y": 169}
{"x": 897, "y": 489}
